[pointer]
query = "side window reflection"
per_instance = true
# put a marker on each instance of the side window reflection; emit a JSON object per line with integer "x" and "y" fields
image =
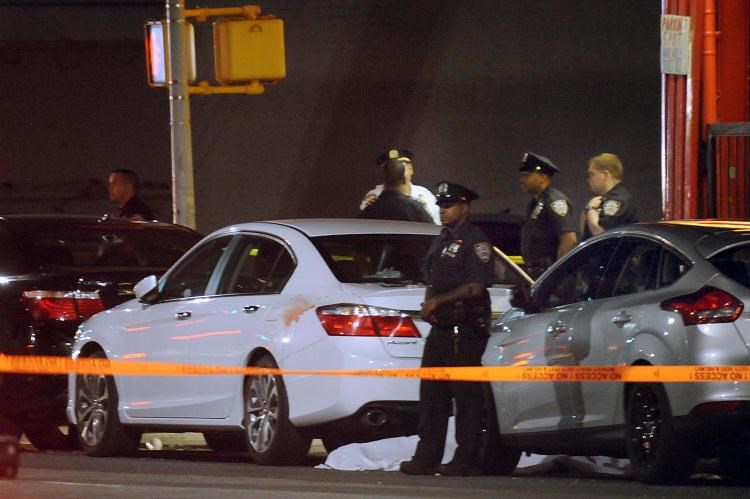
{"x": 191, "y": 278}
{"x": 258, "y": 266}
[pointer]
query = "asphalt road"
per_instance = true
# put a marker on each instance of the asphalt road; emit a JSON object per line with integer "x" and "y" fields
{"x": 192, "y": 471}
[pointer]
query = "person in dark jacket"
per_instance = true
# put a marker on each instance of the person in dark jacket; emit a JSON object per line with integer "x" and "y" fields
{"x": 123, "y": 192}
{"x": 612, "y": 205}
{"x": 549, "y": 229}
{"x": 394, "y": 203}
{"x": 459, "y": 268}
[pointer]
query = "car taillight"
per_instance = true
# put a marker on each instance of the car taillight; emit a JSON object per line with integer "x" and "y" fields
{"x": 62, "y": 305}
{"x": 708, "y": 305}
{"x": 362, "y": 320}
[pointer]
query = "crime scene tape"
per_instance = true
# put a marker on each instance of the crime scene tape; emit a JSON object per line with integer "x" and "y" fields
{"x": 27, "y": 364}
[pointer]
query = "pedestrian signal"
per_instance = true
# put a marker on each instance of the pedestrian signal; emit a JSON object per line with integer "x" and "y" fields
{"x": 158, "y": 71}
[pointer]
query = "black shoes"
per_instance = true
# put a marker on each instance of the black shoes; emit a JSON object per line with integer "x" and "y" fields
{"x": 417, "y": 468}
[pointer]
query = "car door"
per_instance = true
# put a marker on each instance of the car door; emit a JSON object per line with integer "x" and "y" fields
{"x": 631, "y": 292}
{"x": 248, "y": 307}
{"x": 549, "y": 337}
{"x": 165, "y": 331}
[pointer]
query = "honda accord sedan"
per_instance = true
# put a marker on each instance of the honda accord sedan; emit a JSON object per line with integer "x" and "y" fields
{"x": 325, "y": 294}
{"x": 55, "y": 271}
{"x": 650, "y": 294}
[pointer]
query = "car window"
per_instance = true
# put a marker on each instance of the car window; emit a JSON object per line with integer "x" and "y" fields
{"x": 375, "y": 257}
{"x": 193, "y": 274}
{"x": 258, "y": 265}
{"x": 577, "y": 278}
{"x": 734, "y": 263}
{"x": 638, "y": 263}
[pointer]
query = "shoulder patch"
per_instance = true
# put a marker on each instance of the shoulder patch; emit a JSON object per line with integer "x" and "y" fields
{"x": 483, "y": 251}
{"x": 560, "y": 207}
{"x": 611, "y": 207}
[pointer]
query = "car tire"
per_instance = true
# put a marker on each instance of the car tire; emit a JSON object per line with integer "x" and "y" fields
{"x": 225, "y": 441}
{"x": 494, "y": 457}
{"x": 655, "y": 451}
{"x": 271, "y": 438}
{"x": 99, "y": 430}
{"x": 49, "y": 436}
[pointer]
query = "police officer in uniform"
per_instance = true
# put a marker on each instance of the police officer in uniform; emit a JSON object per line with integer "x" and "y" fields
{"x": 394, "y": 202}
{"x": 549, "y": 230}
{"x": 459, "y": 268}
{"x": 612, "y": 205}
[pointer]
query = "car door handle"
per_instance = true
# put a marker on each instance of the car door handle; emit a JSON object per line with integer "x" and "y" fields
{"x": 557, "y": 328}
{"x": 622, "y": 318}
{"x": 249, "y": 309}
{"x": 181, "y": 316}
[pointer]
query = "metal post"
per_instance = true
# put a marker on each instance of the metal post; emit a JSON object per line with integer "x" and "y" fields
{"x": 183, "y": 191}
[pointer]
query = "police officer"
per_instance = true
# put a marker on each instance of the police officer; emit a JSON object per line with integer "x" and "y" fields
{"x": 549, "y": 230}
{"x": 123, "y": 192}
{"x": 394, "y": 203}
{"x": 459, "y": 268}
{"x": 417, "y": 192}
{"x": 612, "y": 205}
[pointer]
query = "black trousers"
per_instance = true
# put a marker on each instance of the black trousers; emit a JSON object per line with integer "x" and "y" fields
{"x": 442, "y": 349}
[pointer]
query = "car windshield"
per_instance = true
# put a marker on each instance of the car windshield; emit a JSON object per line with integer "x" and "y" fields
{"x": 734, "y": 263}
{"x": 103, "y": 245}
{"x": 395, "y": 258}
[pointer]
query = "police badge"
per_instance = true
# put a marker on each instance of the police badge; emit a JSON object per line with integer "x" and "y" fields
{"x": 483, "y": 251}
{"x": 560, "y": 206}
{"x": 611, "y": 207}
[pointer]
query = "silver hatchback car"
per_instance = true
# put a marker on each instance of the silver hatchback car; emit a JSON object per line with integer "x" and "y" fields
{"x": 667, "y": 293}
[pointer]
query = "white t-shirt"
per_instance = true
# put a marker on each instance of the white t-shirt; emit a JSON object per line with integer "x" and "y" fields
{"x": 421, "y": 194}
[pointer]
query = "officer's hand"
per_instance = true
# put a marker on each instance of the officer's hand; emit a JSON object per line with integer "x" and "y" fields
{"x": 595, "y": 202}
{"x": 368, "y": 200}
{"x": 428, "y": 311}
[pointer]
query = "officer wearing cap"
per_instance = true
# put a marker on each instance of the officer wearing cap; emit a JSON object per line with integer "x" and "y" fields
{"x": 549, "y": 230}
{"x": 417, "y": 192}
{"x": 459, "y": 269}
{"x": 612, "y": 205}
{"x": 393, "y": 203}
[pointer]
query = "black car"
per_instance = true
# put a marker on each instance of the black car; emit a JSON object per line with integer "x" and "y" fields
{"x": 55, "y": 271}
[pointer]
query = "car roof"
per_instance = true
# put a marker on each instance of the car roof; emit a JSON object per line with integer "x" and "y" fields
{"x": 706, "y": 237}
{"x": 18, "y": 220}
{"x": 315, "y": 227}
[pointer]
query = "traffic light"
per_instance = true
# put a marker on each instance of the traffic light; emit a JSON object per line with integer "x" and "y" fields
{"x": 157, "y": 53}
{"x": 249, "y": 50}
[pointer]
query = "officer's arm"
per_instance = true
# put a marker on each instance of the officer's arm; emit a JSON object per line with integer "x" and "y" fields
{"x": 568, "y": 241}
{"x": 463, "y": 292}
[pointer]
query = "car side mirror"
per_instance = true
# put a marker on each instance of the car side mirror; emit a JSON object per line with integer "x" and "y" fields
{"x": 146, "y": 290}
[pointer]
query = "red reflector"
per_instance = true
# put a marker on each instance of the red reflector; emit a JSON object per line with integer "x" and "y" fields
{"x": 708, "y": 305}
{"x": 712, "y": 408}
{"x": 361, "y": 320}
{"x": 62, "y": 305}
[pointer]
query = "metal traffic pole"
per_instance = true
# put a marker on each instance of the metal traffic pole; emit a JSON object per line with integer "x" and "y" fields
{"x": 183, "y": 190}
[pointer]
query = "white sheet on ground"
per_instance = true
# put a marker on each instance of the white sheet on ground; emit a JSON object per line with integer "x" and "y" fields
{"x": 387, "y": 455}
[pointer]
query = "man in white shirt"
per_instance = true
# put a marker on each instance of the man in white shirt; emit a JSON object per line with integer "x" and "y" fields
{"x": 417, "y": 192}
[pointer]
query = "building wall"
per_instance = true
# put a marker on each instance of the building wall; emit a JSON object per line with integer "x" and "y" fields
{"x": 468, "y": 86}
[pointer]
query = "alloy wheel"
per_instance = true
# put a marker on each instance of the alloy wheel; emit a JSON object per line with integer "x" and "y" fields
{"x": 645, "y": 424}
{"x": 92, "y": 402}
{"x": 262, "y": 407}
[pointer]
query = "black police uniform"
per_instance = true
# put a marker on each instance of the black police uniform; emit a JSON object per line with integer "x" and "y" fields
{"x": 135, "y": 206}
{"x": 393, "y": 205}
{"x": 457, "y": 256}
{"x": 617, "y": 208}
{"x": 547, "y": 218}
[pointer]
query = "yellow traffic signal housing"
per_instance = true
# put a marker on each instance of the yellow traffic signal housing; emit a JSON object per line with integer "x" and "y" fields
{"x": 158, "y": 71}
{"x": 249, "y": 50}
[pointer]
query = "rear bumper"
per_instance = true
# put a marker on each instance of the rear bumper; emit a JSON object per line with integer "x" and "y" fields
{"x": 714, "y": 434}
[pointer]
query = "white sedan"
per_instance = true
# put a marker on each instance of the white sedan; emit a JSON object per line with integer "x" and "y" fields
{"x": 311, "y": 294}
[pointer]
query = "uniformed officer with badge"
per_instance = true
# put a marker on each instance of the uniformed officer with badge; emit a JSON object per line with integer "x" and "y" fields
{"x": 459, "y": 268}
{"x": 612, "y": 205}
{"x": 549, "y": 229}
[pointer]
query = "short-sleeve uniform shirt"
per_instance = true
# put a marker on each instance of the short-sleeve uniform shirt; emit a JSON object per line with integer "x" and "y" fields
{"x": 546, "y": 219}
{"x": 617, "y": 208}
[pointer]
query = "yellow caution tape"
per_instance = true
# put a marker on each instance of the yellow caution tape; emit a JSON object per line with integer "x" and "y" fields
{"x": 64, "y": 365}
